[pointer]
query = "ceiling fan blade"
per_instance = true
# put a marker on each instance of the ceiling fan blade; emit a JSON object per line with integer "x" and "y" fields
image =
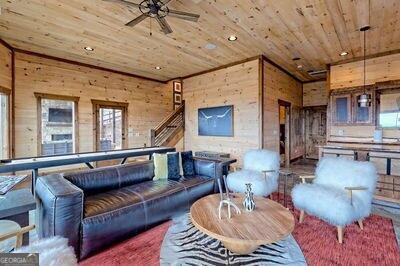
{"x": 164, "y": 25}
{"x": 136, "y": 21}
{"x": 123, "y": 2}
{"x": 184, "y": 15}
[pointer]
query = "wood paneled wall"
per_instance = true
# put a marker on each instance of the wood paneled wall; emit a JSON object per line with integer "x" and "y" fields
{"x": 237, "y": 85}
{"x": 149, "y": 102}
{"x": 315, "y": 94}
{"x": 5, "y": 67}
{"x": 378, "y": 69}
{"x": 278, "y": 85}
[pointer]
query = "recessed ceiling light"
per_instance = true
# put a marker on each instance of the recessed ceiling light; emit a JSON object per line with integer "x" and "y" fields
{"x": 232, "y": 38}
{"x": 299, "y": 66}
{"x": 158, "y": 67}
{"x": 344, "y": 53}
{"x": 210, "y": 46}
{"x": 88, "y": 48}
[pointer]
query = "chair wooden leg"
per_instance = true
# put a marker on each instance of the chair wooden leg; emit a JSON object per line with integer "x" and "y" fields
{"x": 360, "y": 223}
{"x": 18, "y": 242}
{"x": 302, "y": 214}
{"x": 340, "y": 234}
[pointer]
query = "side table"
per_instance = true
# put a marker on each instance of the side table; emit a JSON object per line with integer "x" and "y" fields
{"x": 15, "y": 206}
{"x": 285, "y": 174}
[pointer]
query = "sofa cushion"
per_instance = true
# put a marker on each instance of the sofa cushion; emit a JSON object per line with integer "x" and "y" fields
{"x": 197, "y": 187}
{"x": 109, "y": 201}
{"x": 160, "y": 166}
{"x": 173, "y": 161}
{"x": 134, "y": 173}
{"x": 187, "y": 163}
{"x": 119, "y": 213}
{"x": 93, "y": 181}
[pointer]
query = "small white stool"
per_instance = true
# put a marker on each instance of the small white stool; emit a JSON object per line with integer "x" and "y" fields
{"x": 7, "y": 226}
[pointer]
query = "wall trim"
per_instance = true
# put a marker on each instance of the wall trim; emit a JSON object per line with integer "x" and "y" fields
{"x": 281, "y": 68}
{"x": 12, "y": 106}
{"x": 13, "y": 50}
{"x": 261, "y": 100}
{"x": 6, "y": 44}
{"x": 312, "y": 81}
{"x": 360, "y": 58}
{"x": 68, "y": 61}
{"x": 219, "y": 68}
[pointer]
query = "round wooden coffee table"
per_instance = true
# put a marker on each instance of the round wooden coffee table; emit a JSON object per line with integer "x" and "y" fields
{"x": 245, "y": 232}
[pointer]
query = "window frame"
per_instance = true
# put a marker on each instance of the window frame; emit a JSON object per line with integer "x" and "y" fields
{"x": 75, "y": 100}
{"x": 334, "y": 110}
{"x": 8, "y": 93}
{"x": 384, "y": 90}
{"x": 371, "y": 112}
{"x": 97, "y": 105}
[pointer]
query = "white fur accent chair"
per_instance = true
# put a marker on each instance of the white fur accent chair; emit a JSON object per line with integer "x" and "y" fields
{"x": 261, "y": 169}
{"x": 340, "y": 194}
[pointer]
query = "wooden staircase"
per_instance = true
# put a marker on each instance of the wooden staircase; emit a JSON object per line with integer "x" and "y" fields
{"x": 170, "y": 130}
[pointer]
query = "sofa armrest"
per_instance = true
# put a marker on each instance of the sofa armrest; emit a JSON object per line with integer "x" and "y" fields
{"x": 205, "y": 167}
{"x": 60, "y": 208}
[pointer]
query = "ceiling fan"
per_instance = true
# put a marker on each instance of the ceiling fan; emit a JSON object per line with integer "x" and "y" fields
{"x": 158, "y": 10}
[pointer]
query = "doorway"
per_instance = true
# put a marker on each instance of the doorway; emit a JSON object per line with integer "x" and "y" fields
{"x": 110, "y": 125}
{"x": 315, "y": 130}
{"x": 284, "y": 132}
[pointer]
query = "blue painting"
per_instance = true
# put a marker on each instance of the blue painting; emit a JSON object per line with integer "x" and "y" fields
{"x": 216, "y": 121}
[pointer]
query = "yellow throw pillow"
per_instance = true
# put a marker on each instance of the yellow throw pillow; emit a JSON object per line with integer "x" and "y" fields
{"x": 160, "y": 166}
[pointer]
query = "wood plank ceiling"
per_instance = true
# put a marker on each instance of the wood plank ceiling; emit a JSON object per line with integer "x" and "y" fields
{"x": 317, "y": 31}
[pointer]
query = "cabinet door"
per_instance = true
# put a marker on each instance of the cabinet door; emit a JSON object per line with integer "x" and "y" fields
{"x": 341, "y": 109}
{"x": 362, "y": 115}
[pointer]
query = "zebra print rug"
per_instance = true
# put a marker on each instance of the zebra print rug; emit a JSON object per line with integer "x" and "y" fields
{"x": 185, "y": 245}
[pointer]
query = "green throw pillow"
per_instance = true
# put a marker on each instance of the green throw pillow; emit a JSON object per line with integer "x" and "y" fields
{"x": 160, "y": 166}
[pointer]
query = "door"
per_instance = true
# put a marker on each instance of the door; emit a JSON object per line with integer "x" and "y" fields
{"x": 284, "y": 132}
{"x": 315, "y": 130}
{"x": 110, "y": 120}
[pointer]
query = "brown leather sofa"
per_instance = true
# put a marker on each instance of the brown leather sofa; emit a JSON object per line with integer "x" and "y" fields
{"x": 94, "y": 208}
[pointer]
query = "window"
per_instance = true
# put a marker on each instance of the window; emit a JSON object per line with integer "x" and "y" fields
{"x": 363, "y": 115}
{"x": 110, "y": 125}
{"x": 341, "y": 109}
{"x": 389, "y": 110}
{"x": 60, "y": 115}
{"x": 56, "y": 137}
{"x": 4, "y": 126}
{"x": 342, "y": 112}
{"x": 57, "y": 134}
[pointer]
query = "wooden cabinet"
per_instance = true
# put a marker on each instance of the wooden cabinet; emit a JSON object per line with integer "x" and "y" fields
{"x": 346, "y": 111}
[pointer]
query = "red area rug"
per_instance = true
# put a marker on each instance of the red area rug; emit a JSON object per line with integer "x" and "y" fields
{"x": 375, "y": 245}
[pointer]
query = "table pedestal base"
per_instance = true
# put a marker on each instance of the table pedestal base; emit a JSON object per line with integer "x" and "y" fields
{"x": 240, "y": 248}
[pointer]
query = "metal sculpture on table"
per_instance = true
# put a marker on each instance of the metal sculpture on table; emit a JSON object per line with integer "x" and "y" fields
{"x": 226, "y": 200}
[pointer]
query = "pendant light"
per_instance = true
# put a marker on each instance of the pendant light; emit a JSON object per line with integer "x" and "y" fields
{"x": 365, "y": 99}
